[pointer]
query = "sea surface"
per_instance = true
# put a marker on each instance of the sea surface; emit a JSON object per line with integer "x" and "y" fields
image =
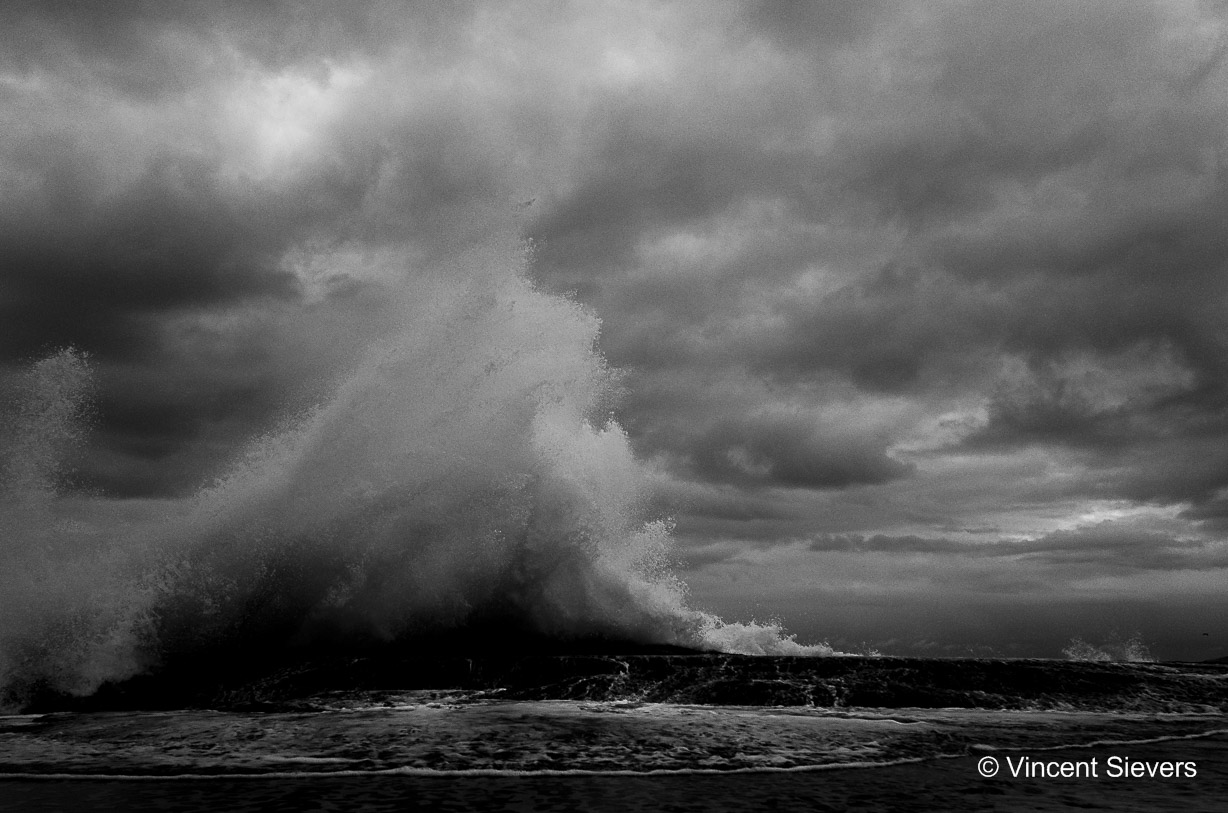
{"x": 469, "y": 748}
{"x": 572, "y": 755}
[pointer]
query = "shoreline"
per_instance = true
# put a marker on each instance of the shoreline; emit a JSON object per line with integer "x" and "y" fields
{"x": 929, "y": 784}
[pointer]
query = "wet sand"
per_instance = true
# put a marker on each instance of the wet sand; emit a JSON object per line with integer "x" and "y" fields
{"x": 932, "y": 784}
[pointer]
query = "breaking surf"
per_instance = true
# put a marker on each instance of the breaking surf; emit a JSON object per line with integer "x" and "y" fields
{"x": 464, "y": 474}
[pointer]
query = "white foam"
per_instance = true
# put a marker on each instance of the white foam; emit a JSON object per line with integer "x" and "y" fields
{"x": 466, "y": 461}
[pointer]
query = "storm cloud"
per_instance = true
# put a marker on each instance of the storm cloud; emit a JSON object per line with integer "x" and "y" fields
{"x": 875, "y": 274}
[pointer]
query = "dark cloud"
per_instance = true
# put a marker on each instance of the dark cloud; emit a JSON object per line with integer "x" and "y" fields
{"x": 649, "y": 174}
{"x": 873, "y": 270}
{"x": 152, "y": 50}
{"x": 884, "y": 333}
{"x": 1109, "y": 547}
{"x": 733, "y": 504}
{"x": 89, "y": 275}
{"x": 789, "y": 452}
{"x": 1106, "y": 547}
{"x": 162, "y": 162}
{"x": 888, "y": 544}
{"x": 1044, "y": 180}
{"x": 801, "y": 24}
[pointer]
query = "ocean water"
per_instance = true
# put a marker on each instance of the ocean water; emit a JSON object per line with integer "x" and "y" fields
{"x": 558, "y": 755}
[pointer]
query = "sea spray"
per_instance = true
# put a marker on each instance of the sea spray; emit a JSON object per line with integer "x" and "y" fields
{"x": 464, "y": 468}
{"x": 68, "y": 615}
{"x": 1116, "y": 648}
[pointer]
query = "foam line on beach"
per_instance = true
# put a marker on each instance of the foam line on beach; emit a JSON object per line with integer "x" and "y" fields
{"x": 1107, "y": 743}
{"x": 494, "y": 772}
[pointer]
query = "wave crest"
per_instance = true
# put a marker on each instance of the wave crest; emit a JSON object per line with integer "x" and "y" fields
{"x": 459, "y": 471}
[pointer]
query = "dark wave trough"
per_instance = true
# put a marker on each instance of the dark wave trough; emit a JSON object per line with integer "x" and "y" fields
{"x": 672, "y": 675}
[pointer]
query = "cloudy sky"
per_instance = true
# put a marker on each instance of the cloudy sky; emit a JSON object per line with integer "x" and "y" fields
{"x": 920, "y": 306}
